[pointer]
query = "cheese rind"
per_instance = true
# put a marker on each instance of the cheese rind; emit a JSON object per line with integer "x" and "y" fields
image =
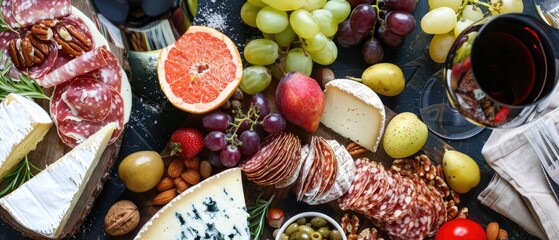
{"x": 23, "y": 124}
{"x": 212, "y": 209}
{"x": 354, "y": 111}
{"x": 44, "y": 203}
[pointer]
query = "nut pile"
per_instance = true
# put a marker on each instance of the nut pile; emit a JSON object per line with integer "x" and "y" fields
{"x": 433, "y": 175}
{"x": 182, "y": 173}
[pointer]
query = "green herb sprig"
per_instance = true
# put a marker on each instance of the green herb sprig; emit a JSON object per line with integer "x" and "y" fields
{"x": 257, "y": 218}
{"x": 22, "y": 173}
{"x": 24, "y": 85}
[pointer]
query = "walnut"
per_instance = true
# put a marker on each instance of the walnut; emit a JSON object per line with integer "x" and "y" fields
{"x": 405, "y": 167}
{"x": 122, "y": 218}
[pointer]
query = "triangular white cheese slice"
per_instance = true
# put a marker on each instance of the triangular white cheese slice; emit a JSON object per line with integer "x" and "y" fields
{"x": 44, "y": 203}
{"x": 23, "y": 124}
{"x": 212, "y": 209}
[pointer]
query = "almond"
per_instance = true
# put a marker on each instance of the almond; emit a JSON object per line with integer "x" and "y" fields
{"x": 192, "y": 163}
{"x": 492, "y": 230}
{"x": 164, "y": 197}
{"x": 175, "y": 168}
{"x": 503, "y": 234}
{"x": 165, "y": 184}
{"x": 205, "y": 169}
{"x": 181, "y": 185}
{"x": 191, "y": 176}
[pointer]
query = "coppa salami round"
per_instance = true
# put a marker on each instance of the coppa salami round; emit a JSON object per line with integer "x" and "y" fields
{"x": 28, "y": 12}
{"x": 88, "y": 99}
{"x": 73, "y": 131}
{"x": 7, "y": 13}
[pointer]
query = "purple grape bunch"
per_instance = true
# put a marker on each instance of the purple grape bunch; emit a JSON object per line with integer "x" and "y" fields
{"x": 234, "y": 135}
{"x": 377, "y": 25}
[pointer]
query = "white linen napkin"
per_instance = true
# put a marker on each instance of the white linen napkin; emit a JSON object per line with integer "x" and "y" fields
{"x": 519, "y": 190}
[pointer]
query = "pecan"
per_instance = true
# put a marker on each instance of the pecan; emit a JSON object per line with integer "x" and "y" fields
{"x": 451, "y": 212}
{"x": 355, "y": 149}
{"x": 405, "y": 167}
{"x": 43, "y": 30}
{"x": 15, "y": 53}
{"x": 463, "y": 213}
{"x": 39, "y": 45}
{"x": 72, "y": 40}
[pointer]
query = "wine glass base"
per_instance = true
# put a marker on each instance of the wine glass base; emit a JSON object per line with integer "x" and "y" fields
{"x": 439, "y": 116}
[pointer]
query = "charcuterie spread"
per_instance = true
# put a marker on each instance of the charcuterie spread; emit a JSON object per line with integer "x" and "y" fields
{"x": 269, "y": 132}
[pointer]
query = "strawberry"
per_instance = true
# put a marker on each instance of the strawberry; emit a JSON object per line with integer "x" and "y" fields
{"x": 187, "y": 142}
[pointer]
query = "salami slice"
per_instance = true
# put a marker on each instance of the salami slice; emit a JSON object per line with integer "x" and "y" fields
{"x": 76, "y": 132}
{"x": 28, "y": 12}
{"x": 81, "y": 65}
{"x": 88, "y": 99}
{"x": 297, "y": 170}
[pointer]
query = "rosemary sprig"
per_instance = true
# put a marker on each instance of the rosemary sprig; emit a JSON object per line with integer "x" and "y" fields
{"x": 24, "y": 85}
{"x": 21, "y": 173}
{"x": 257, "y": 218}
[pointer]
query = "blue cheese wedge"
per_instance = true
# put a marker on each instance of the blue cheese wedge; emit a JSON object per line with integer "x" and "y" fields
{"x": 44, "y": 203}
{"x": 23, "y": 124}
{"x": 213, "y": 209}
{"x": 354, "y": 111}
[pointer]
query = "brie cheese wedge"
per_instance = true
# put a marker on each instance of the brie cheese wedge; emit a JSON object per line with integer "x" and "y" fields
{"x": 23, "y": 124}
{"x": 44, "y": 203}
{"x": 212, "y": 209}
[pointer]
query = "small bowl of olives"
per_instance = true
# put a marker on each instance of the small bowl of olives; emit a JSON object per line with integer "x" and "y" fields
{"x": 310, "y": 226}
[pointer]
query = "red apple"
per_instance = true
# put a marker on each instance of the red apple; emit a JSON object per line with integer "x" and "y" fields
{"x": 300, "y": 101}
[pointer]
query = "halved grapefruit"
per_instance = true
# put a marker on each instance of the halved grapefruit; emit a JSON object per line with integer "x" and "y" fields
{"x": 200, "y": 71}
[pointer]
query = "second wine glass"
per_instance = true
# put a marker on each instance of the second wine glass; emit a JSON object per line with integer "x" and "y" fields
{"x": 500, "y": 72}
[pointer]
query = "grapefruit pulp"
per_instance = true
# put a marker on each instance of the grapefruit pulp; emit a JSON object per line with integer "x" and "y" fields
{"x": 200, "y": 71}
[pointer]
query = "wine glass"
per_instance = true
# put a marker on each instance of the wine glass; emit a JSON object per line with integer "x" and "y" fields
{"x": 499, "y": 73}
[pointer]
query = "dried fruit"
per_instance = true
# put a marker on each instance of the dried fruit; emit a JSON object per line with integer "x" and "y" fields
{"x": 164, "y": 197}
{"x": 122, "y": 218}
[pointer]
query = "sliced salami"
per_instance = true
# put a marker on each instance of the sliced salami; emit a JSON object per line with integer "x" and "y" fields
{"x": 79, "y": 131}
{"x": 88, "y": 99}
{"x": 79, "y": 66}
{"x": 28, "y": 12}
{"x": 296, "y": 172}
{"x": 7, "y": 13}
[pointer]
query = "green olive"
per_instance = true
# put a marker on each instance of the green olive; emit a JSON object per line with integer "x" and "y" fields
{"x": 301, "y": 221}
{"x": 324, "y": 231}
{"x": 316, "y": 236}
{"x": 291, "y": 229}
{"x": 319, "y": 222}
{"x": 308, "y": 224}
{"x": 335, "y": 235}
{"x": 300, "y": 236}
{"x": 306, "y": 229}
{"x": 141, "y": 171}
{"x": 284, "y": 237}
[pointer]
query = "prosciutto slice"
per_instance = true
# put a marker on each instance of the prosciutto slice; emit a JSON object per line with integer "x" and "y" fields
{"x": 25, "y": 13}
{"x": 88, "y": 62}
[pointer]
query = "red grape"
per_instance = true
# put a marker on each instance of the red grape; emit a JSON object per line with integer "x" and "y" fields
{"x": 250, "y": 142}
{"x": 372, "y": 51}
{"x": 214, "y": 159}
{"x": 346, "y": 37}
{"x": 274, "y": 123}
{"x": 215, "y": 140}
{"x": 401, "y": 5}
{"x": 230, "y": 156}
{"x": 216, "y": 121}
{"x": 261, "y": 102}
{"x": 363, "y": 18}
{"x": 354, "y": 3}
{"x": 390, "y": 39}
{"x": 399, "y": 22}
